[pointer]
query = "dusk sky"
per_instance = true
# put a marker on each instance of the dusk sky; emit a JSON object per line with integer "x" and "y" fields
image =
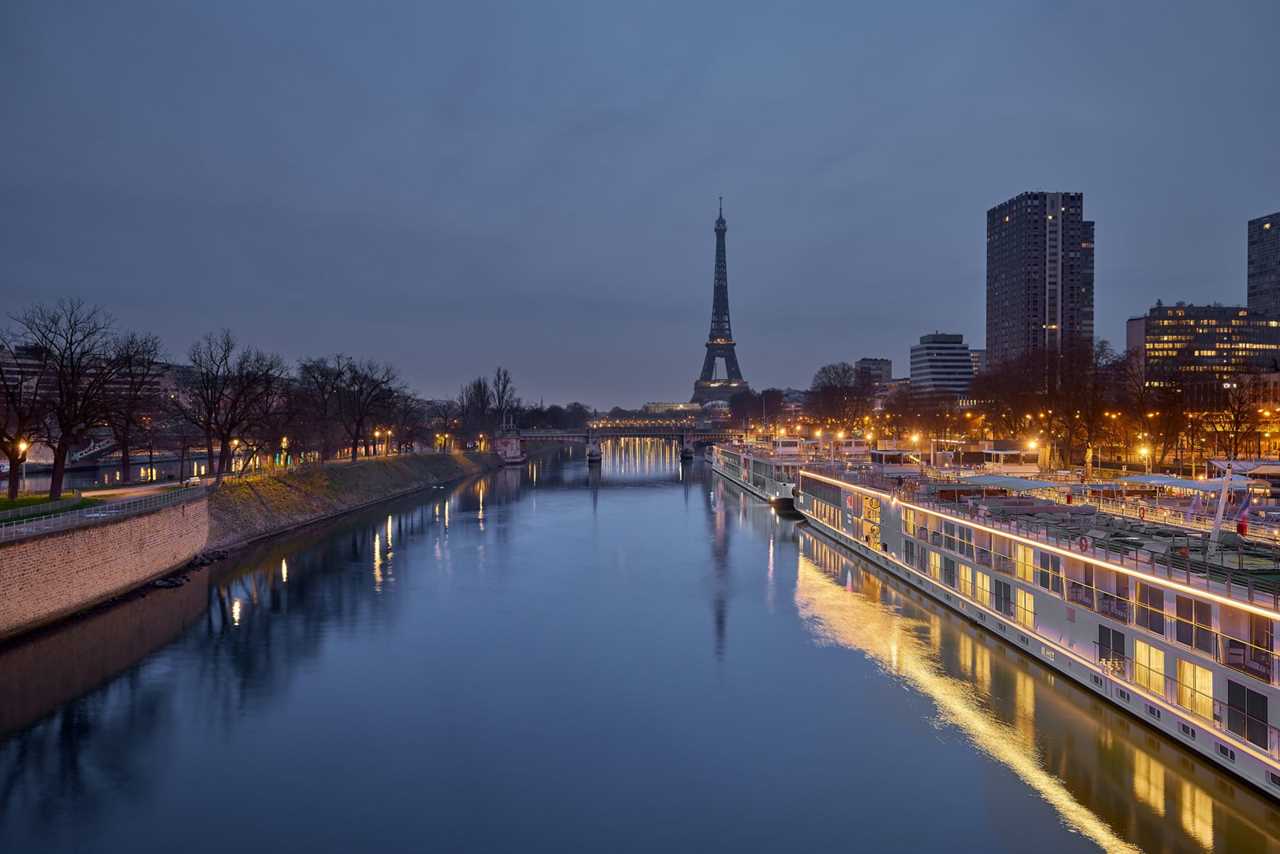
{"x": 451, "y": 187}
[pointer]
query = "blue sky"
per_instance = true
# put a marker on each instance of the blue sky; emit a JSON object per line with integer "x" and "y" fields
{"x": 455, "y": 186}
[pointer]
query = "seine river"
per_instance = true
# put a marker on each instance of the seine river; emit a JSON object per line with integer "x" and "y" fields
{"x": 548, "y": 659}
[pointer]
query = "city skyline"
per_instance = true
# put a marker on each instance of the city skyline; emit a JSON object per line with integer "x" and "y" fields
{"x": 424, "y": 197}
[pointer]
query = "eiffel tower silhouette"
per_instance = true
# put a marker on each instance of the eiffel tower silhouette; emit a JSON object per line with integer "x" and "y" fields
{"x": 720, "y": 345}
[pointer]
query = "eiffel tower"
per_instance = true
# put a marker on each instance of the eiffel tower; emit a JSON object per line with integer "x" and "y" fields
{"x": 720, "y": 347}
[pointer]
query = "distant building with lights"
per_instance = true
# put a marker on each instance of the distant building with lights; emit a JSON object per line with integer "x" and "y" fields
{"x": 662, "y": 408}
{"x": 1039, "y": 275}
{"x": 941, "y": 364}
{"x": 879, "y": 371}
{"x": 1201, "y": 348}
{"x": 978, "y": 358}
{"x": 1264, "y": 264}
{"x": 1135, "y": 338}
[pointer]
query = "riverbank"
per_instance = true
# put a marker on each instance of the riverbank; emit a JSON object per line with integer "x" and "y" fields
{"x": 59, "y": 574}
{"x": 241, "y": 512}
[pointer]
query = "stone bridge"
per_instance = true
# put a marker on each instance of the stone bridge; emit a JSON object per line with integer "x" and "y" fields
{"x": 688, "y": 435}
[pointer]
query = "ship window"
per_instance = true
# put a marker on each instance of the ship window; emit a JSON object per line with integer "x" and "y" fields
{"x": 1194, "y": 624}
{"x": 1050, "y": 577}
{"x": 1247, "y": 713}
{"x": 1004, "y": 597}
{"x": 1148, "y": 666}
{"x": 1150, "y": 608}
{"x": 982, "y": 591}
{"x": 1025, "y": 559}
{"x": 1026, "y": 601}
{"x": 1195, "y": 689}
{"x": 1111, "y": 647}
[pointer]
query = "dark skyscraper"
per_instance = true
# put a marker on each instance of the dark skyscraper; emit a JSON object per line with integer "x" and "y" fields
{"x": 712, "y": 384}
{"x": 1039, "y": 275}
{"x": 1264, "y": 265}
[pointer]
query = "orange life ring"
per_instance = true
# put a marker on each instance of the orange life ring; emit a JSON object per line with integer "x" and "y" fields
{"x": 1142, "y": 513}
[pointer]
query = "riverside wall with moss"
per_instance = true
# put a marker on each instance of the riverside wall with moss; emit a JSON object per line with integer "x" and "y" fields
{"x": 241, "y": 511}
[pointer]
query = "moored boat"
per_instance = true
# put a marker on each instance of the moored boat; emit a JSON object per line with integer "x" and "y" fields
{"x": 766, "y": 471}
{"x": 1157, "y": 620}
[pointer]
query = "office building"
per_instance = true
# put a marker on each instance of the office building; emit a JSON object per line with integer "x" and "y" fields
{"x": 940, "y": 363}
{"x": 1039, "y": 275}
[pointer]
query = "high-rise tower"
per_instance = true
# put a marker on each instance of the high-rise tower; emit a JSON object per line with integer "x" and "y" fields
{"x": 1264, "y": 264}
{"x": 1039, "y": 276}
{"x": 713, "y": 385}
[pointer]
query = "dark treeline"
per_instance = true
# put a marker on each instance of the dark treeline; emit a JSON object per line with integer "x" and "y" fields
{"x": 1081, "y": 401}
{"x": 70, "y": 379}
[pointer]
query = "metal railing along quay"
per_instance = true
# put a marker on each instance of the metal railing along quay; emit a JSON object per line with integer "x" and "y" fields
{"x": 46, "y": 508}
{"x": 33, "y": 526}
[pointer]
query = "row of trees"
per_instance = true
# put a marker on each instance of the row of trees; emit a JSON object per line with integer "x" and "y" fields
{"x": 1088, "y": 398}
{"x": 69, "y": 377}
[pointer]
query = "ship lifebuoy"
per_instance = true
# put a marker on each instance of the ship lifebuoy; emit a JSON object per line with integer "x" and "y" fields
{"x": 1142, "y": 513}
{"x": 1084, "y": 543}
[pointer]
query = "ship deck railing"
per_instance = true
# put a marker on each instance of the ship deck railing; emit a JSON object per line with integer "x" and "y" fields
{"x": 1221, "y": 572}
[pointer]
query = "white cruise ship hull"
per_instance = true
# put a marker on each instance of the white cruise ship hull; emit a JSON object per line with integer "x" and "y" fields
{"x": 1061, "y": 625}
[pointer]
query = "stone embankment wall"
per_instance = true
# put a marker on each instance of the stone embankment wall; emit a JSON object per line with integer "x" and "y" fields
{"x": 47, "y": 577}
{"x": 46, "y": 669}
{"x": 243, "y": 511}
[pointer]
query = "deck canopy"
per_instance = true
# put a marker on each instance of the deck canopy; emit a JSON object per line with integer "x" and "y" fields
{"x": 1169, "y": 482}
{"x": 1257, "y": 468}
{"x": 1013, "y": 484}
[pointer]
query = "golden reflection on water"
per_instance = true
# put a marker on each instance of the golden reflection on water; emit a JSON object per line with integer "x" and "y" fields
{"x": 1070, "y": 748}
{"x": 640, "y": 458}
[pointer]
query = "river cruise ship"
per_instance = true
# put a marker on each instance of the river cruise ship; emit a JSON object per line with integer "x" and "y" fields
{"x": 767, "y": 471}
{"x": 1158, "y": 620}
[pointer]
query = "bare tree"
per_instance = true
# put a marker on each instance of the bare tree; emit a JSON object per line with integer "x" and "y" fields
{"x": 408, "y": 417}
{"x": 504, "y": 393}
{"x": 1235, "y": 423}
{"x": 840, "y": 392}
{"x": 253, "y": 381}
{"x": 367, "y": 388}
{"x": 321, "y": 378}
{"x": 1084, "y": 394}
{"x": 133, "y": 400}
{"x": 203, "y": 385}
{"x": 24, "y": 378}
{"x": 475, "y": 399}
{"x": 77, "y": 341}
{"x": 224, "y": 392}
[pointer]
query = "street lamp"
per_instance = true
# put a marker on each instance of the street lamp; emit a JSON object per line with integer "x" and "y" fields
{"x": 1145, "y": 453}
{"x": 23, "y": 444}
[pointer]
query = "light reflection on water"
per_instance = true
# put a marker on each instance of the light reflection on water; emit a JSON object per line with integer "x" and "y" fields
{"x": 635, "y": 657}
{"x": 1108, "y": 776}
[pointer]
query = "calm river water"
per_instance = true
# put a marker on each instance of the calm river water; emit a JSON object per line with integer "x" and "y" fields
{"x": 546, "y": 659}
